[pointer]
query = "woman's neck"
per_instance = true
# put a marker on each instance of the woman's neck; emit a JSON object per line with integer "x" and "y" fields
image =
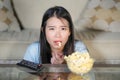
{"x": 57, "y": 51}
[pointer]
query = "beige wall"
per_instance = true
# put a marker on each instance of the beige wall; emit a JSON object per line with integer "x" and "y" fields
{"x": 31, "y": 11}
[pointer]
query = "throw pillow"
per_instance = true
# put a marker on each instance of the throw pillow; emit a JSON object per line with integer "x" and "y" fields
{"x": 8, "y": 21}
{"x": 101, "y": 15}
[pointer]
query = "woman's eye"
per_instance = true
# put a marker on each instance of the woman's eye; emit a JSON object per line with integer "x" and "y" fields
{"x": 64, "y": 28}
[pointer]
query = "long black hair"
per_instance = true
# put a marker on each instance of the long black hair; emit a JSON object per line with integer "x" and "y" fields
{"x": 45, "y": 50}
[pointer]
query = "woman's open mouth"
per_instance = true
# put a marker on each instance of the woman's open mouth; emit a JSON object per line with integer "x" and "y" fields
{"x": 58, "y": 43}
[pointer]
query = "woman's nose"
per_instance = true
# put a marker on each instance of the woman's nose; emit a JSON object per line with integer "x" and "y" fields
{"x": 58, "y": 33}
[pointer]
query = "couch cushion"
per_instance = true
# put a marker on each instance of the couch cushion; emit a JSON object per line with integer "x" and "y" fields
{"x": 23, "y": 36}
{"x": 101, "y": 15}
{"x": 14, "y": 44}
{"x": 103, "y": 46}
{"x": 8, "y": 21}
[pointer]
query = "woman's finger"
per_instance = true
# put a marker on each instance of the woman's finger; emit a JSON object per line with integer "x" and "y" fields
{"x": 54, "y": 61}
{"x": 57, "y": 59}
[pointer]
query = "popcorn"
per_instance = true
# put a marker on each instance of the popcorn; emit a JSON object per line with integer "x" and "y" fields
{"x": 73, "y": 76}
{"x": 59, "y": 78}
{"x": 59, "y": 44}
{"x": 79, "y": 63}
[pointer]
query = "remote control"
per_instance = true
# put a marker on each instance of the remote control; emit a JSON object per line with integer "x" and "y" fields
{"x": 31, "y": 65}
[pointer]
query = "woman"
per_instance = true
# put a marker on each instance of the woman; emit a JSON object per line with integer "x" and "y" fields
{"x": 56, "y": 38}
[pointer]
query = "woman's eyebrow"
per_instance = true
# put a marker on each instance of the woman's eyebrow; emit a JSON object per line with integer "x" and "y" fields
{"x": 55, "y": 26}
{"x": 50, "y": 26}
{"x": 64, "y": 26}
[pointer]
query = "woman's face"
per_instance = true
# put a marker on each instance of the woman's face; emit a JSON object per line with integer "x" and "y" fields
{"x": 57, "y": 31}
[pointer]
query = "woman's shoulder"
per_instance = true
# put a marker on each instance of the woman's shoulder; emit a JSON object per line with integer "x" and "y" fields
{"x": 32, "y": 52}
{"x": 78, "y": 42}
{"x": 80, "y": 46}
{"x": 34, "y": 44}
{"x": 34, "y": 47}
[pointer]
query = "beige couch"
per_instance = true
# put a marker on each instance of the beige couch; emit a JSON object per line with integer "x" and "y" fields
{"x": 102, "y": 42}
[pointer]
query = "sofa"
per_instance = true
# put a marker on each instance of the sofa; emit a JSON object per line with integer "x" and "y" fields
{"x": 96, "y": 24}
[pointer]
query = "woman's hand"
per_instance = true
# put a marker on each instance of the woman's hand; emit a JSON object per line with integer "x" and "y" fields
{"x": 57, "y": 58}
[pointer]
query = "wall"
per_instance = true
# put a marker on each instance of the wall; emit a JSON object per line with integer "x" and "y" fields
{"x": 31, "y": 11}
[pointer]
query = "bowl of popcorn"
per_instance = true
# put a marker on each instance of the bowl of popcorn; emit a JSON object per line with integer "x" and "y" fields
{"x": 79, "y": 63}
